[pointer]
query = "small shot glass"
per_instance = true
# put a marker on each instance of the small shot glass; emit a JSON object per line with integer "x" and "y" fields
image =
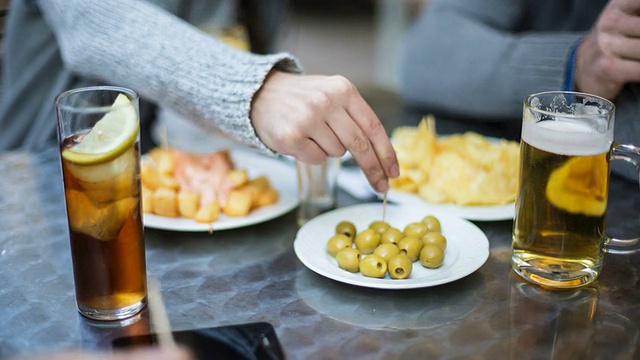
{"x": 317, "y": 188}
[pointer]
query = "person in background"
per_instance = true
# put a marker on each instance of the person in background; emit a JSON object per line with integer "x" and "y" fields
{"x": 263, "y": 101}
{"x": 478, "y": 59}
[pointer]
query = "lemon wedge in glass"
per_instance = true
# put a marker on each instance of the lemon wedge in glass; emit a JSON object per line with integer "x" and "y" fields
{"x": 580, "y": 185}
{"x": 110, "y": 137}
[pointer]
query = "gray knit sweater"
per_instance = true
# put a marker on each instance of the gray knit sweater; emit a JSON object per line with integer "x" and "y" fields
{"x": 478, "y": 59}
{"x": 54, "y": 45}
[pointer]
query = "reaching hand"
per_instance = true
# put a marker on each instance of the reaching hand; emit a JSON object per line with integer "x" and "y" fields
{"x": 609, "y": 56}
{"x": 313, "y": 117}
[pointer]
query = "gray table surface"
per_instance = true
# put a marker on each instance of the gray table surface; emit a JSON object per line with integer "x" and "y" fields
{"x": 252, "y": 274}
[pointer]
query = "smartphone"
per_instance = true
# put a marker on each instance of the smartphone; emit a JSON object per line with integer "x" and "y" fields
{"x": 251, "y": 341}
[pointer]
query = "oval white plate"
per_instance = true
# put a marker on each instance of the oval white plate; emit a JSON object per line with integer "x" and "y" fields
{"x": 476, "y": 213}
{"x": 467, "y": 246}
{"x": 282, "y": 177}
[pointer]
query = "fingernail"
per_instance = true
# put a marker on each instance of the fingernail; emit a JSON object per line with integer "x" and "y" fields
{"x": 394, "y": 171}
{"x": 382, "y": 185}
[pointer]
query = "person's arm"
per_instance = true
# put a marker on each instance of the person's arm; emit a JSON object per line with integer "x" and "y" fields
{"x": 471, "y": 58}
{"x": 135, "y": 44}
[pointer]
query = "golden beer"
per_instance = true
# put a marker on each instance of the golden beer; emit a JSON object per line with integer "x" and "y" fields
{"x": 559, "y": 237}
{"x": 559, "y": 226}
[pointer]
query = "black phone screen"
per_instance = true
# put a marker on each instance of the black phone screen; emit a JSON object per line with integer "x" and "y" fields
{"x": 255, "y": 341}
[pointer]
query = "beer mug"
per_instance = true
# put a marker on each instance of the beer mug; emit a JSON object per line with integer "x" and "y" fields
{"x": 559, "y": 237}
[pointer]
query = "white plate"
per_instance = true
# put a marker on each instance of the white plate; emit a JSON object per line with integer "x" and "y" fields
{"x": 467, "y": 246}
{"x": 476, "y": 213}
{"x": 282, "y": 177}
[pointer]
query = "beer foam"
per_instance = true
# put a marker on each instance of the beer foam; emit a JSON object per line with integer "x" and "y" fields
{"x": 566, "y": 137}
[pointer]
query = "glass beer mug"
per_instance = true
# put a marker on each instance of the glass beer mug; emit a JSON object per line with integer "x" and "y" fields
{"x": 559, "y": 237}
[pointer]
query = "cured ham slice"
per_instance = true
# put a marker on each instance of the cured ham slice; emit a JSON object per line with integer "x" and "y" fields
{"x": 205, "y": 174}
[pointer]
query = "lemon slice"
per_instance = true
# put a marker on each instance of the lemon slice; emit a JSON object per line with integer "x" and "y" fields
{"x": 110, "y": 137}
{"x": 580, "y": 186}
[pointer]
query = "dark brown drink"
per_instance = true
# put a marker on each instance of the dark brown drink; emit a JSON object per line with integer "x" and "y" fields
{"x": 105, "y": 225}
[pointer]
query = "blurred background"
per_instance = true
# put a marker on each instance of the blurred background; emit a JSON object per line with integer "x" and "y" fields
{"x": 357, "y": 38}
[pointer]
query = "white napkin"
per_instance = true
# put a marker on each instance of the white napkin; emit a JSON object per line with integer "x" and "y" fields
{"x": 351, "y": 179}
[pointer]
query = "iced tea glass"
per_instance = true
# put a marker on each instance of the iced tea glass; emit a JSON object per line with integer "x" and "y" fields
{"x": 98, "y": 133}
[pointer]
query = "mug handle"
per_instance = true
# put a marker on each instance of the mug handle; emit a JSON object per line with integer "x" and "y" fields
{"x": 630, "y": 154}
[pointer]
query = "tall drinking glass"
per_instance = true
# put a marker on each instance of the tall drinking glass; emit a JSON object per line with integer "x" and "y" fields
{"x": 567, "y": 145}
{"x": 98, "y": 133}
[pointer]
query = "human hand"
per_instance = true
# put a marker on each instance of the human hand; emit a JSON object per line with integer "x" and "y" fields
{"x": 151, "y": 353}
{"x": 312, "y": 117}
{"x": 609, "y": 56}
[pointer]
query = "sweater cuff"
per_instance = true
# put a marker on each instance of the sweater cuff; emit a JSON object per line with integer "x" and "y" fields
{"x": 539, "y": 63}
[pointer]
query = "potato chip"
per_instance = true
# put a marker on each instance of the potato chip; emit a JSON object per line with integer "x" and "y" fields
{"x": 464, "y": 169}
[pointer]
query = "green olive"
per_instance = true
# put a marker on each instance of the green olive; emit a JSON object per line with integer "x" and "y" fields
{"x": 338, "y": 242}
{"x": 373, "y": 266}
{"x": 347, "y": 228}
{"x": 391, "y": 235}
{"x": 367, "y": 240}
{"x": 411, "y": 246}
{"x": 432, "y": 222}
{"x": 386, "y": 251}
{"x": 431, "y": 256}
{"x": 434, "y": 238}
{"x": 379, "y": 226}
{"x": 399, "y": 266}
{"x": 349, "y": 259}
{"x": 415, "y": 228}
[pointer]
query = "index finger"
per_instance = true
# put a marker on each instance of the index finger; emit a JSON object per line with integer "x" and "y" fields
{"x": 373, "y": 130}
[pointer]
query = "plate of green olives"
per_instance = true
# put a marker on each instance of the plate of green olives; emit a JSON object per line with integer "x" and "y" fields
{"x": 409, "y": 246}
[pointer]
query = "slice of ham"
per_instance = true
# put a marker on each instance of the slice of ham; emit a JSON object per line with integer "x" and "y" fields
{"x": 205, "y": 174}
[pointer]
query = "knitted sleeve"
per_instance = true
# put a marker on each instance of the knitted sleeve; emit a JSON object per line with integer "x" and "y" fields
{"x": 135, "y": 44}
{"x": 477, "y": 59}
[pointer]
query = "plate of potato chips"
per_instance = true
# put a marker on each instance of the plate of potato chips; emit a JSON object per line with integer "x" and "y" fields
{"x": 469, "y": 175}
{"x": 222, "y": 190}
